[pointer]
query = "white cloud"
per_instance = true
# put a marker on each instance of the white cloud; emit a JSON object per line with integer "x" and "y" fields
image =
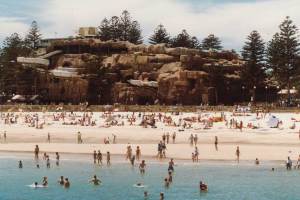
{"x": 231, "y": 21}
{"x": 11, "y": 25}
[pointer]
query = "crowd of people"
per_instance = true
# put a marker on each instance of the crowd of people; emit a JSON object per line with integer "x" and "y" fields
{"x": 133, "y": 153}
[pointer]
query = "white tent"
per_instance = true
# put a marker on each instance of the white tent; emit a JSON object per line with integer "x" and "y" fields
{"x": 273, "y": 122}
{"x": 285, "y": 91}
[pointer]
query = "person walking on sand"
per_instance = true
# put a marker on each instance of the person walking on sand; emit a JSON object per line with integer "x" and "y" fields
{"x": 237, "y": 153}
{"x": 4, "y": 136}
{"x": 79, "y": 138}
{"x": 195, "y": 139}
{"x": 48, "y": 138}
{"x": 168, "y": 137}
{"x": 191, "y": 140}
{"x": 216, "y": 143}
{"x": 174, "y": 137}
{"x": 114, "y": 138}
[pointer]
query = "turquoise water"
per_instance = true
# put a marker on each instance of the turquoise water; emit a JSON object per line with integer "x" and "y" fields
{"x": 226, "y": 181}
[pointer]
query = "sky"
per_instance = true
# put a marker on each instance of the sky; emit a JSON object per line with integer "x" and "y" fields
{"x": 230, "y": 20}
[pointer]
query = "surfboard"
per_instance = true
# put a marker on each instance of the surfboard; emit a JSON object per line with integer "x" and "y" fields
{"x": 37, "y": 186}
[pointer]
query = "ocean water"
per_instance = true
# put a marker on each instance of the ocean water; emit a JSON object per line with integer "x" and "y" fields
{"x": 227, "y": 181}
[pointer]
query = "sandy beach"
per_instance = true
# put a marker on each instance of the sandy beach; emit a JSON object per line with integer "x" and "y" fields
{"x": 264, "y": 142}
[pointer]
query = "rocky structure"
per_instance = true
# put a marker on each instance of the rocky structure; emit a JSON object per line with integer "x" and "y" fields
{"x": 77, "y": 70}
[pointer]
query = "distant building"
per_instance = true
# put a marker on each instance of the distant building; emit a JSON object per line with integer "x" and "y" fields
{"x": 88, "y": 32}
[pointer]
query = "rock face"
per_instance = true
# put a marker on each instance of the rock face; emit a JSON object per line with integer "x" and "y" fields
{"x": 121, "y": 72}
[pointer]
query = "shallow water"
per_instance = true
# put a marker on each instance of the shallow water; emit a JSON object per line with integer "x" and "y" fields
{"x": 226, "y": 181}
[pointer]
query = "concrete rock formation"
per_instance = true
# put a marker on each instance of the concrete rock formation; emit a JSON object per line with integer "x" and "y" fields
{"x": 120, "y": 72}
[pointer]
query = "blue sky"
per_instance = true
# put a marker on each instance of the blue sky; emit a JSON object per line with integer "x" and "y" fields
{"x": 231, "y": 20}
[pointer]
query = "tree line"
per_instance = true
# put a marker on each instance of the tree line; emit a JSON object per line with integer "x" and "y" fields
{"x": 277, "y": 60}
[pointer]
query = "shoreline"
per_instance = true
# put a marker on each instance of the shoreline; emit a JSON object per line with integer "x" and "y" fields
{"x": 207, "y": 152}
{"x": 119, "y": 159}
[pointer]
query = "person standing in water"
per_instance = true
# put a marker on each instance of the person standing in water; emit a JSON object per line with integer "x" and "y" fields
{"x": 161, "y": 196}
{"x": 108, "y": 158}
{"x": 61, "y": 181}
{"x": 237, "y": 153}
{"x": 20, "y": 164}
{"x": 95, "y": 180}
{"x": 48, "y": 162}
{"x": 196, "y": 154}
{"x": 142, "y": 167}
{"x": 67, "y": 183}
{"x": 95, "y": 157}
{"x": 171, "y": 165}
{"x": 57, "y": 158}
{"x": 36, "y": 152}
{"x": 45, "y": 181}
{"x": 203, "y": 187}
{"x": 216, "y": 143}
{"x": 167, "y": 183}
{"x": 132, "y": 159}
{"x": 138, "y": 153}
{"x": 99, "y": 157}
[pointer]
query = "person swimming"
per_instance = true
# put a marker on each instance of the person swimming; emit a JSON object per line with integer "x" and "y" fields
{"x": 95, "y": 180}
{"x": 145, "y": 195}
{"x": 61, "y": 180}
{"x": 170, "y": 179}
{"x": 67, "y": 183}
{"x": 203, "y": 187}
{"x": 167, "y": 183}
{"x": 45, "y": 181}
{"x": 161, "y": 196}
